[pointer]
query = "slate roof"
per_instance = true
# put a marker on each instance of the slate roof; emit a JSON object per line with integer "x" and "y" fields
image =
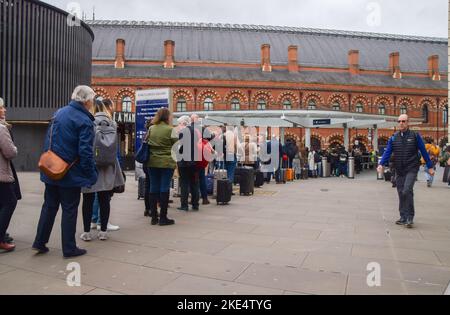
{"x": 233, "y": 43}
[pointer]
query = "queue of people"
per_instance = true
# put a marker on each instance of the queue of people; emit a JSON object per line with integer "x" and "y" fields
{"x": 83, "y": 135}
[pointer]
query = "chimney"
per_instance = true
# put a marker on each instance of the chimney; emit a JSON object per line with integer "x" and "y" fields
{"x": 433, "y": 68}
{"x": 394, "y": 65}
{"x": 293, "y": 59}
{"x": 265, "y": 58}
{"x": 169, "y": 54}
{"x": 120, "y": 54}
{"x": 353, "y": 61}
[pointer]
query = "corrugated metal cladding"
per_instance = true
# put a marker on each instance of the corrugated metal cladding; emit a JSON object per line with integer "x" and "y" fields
{"x": 242, "y": 44}
{"x": 42, "y": 58}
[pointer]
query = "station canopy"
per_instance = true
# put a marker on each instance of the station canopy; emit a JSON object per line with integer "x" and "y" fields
{"x": 296, "y": 119}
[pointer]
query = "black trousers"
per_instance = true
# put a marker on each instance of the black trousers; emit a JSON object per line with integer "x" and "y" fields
{"x": 8, "y": 203}
{"x": 104, "y": 200}
{"x": 69, "y": 199}
{"x": 189, "y": 182}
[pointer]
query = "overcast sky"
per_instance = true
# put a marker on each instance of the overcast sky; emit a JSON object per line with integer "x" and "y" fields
{"x": 409, "y": 17}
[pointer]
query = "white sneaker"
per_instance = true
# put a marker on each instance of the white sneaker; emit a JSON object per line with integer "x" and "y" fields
{"x": 103, "y": 236}
{"x": 93, "y": 226}
{"x": 110, "y": 227}
{"x": 86, "y": 237}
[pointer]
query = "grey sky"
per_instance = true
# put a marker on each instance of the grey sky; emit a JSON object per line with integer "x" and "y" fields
{"x": 409, "y": 17}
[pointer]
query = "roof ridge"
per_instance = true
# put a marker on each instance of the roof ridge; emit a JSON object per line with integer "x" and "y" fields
{"x": 266, "y": 28}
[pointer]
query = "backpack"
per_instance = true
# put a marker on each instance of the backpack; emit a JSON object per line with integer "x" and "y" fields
{"x": 105, "y": 143}
{"x": 205, "y": 150}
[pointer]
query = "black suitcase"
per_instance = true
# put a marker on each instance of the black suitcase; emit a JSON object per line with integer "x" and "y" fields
{"x": 247, "y": 181}
{"x": 142, "y": 186}
{"x": 446, "y": 174}
{"x": 305, "y": 174}
{"x": 259, "y": 179}
{"x": 237, "y": 175}
{"x": 224, "y": 191}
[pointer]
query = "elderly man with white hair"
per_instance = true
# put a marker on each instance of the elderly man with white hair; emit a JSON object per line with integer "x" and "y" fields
{"x": 71, "y": 137}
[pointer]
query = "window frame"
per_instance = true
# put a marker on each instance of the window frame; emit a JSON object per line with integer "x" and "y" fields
{"x": 260, "y": 102}
{"x": 235, "y": 101}
{"x": 208, "y": 104}
{"x": 127, "y": 104}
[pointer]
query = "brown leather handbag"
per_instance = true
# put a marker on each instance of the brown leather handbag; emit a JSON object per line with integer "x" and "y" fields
{"x": 52, "y": 165}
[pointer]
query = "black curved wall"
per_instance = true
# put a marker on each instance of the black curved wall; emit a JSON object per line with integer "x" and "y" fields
{"x": 42, "y": 59}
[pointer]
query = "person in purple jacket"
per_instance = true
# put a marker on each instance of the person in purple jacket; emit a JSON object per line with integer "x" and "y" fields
{"x": 406, "y": 145}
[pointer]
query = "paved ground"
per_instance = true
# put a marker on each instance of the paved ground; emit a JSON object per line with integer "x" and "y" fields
{"x": 307, "y": 237}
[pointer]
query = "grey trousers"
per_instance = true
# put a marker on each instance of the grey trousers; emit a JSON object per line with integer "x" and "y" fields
{"x": 405, "y": 189}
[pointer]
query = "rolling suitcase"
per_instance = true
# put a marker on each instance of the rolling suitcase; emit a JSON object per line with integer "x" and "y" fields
{"x": 290, "y": 175}
{"x": 282, "y": 177}
{"x": 224, "y": 191}
{"x": 218, "y": 175}
{"x": 142, "y": 186}
{"x": 259, "y": 179}
{"x": 247, "y": 181}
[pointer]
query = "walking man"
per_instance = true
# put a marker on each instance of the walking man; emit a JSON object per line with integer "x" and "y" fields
{"x": 405, "y": 145}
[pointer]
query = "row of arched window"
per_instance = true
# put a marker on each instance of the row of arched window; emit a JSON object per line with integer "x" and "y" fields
{"x": 261, "y": 104}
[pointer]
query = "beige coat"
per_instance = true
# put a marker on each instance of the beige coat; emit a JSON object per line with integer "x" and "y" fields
{"x": 8, "y": 151}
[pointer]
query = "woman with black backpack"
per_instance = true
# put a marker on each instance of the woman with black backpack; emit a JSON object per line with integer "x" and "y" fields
{"x": 108, "y": 167}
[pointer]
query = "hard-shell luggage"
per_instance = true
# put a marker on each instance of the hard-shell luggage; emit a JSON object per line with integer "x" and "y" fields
{"x": 259, "y": 179}
{"x": 224, "y": 191}
{"x": 290, "y": 174}
{"x": 218, "y": 174}
{"x": 247, "y": 181}
{"x": 142, "y": 186}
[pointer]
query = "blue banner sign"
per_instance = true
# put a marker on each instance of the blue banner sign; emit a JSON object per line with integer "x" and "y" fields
{"x": 148, "y": 102}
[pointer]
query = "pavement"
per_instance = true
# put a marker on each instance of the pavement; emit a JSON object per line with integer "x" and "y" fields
{"x": 319, "y": 236}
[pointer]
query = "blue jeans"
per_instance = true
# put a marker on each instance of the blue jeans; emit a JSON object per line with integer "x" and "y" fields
{"x": 160, "y": 180}
{"x": 203, "y": 188}
{"x": 96, "y": 211}
{"x": 429, "y": 178}
{"x": 69, "y": 199}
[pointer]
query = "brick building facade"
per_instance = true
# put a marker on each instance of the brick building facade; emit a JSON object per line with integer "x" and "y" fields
{"x": 242, "y": 67}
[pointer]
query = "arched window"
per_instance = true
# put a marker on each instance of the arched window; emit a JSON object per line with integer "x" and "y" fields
{"x": 235, "y": 104}
{"x": 359, "y": 108}
{"x": 208, "y": 104}
{"x": 126, "y": 104}
{"x": 312, "y": 105}
{"x": 181, "y": 104}
{"x": 445, "y": 115}
{"x": 425, "y": 113}
{"x": 381, "y": 109}
{"x": 403, "y": 109}
{"x": 336, "y": 106}
{"x": 261, "y": 104}
{"x": 287, "y": 104}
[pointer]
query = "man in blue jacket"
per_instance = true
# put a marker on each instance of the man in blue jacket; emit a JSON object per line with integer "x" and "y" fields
{"x": 406, "y": 145}
{"x": 72, "y": 133}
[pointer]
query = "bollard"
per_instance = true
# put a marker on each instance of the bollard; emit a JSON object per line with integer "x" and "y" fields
{"x": 351, "y": 167}
{"x": 326, "y": 167}
{"x": 380, "y": 176}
